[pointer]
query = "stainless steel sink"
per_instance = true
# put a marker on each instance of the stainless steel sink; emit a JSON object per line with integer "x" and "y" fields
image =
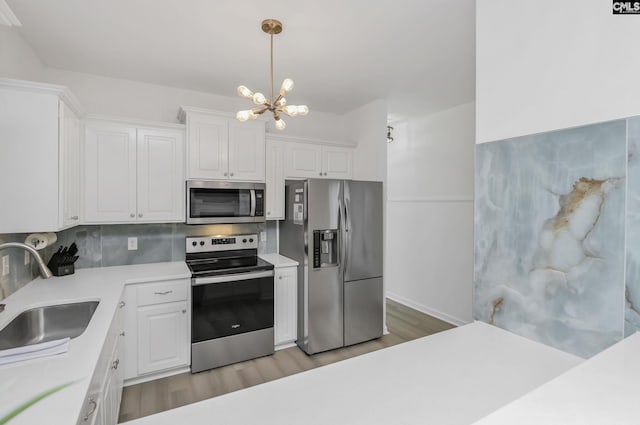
{"x": 47, "y": 324}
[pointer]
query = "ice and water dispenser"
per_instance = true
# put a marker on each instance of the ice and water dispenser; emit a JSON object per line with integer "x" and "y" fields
{"x": 325, "y": 248}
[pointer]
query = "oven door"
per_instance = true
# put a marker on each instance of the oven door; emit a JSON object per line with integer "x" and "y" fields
{"x": 231, "y": 304}
{"x": 224, "y": 202}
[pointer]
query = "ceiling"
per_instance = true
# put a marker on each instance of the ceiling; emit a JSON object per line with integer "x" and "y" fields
{"x": 419, "y": 55}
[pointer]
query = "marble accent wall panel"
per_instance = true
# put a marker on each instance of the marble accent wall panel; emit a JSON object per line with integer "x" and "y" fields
{"x": 632, "y": 290}
{"x": 550, "y": 236}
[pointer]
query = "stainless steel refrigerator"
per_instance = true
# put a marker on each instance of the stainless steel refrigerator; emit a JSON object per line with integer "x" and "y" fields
{"x": 333, "y": 228}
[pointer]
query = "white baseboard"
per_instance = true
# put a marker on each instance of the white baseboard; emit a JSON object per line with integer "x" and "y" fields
{"x": 285, "y": 345}
{"x": 154, "y": 376}
{"x": 426, "y": 310}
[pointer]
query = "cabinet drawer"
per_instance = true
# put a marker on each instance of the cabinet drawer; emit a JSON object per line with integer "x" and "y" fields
{"x": 163, "y": 292}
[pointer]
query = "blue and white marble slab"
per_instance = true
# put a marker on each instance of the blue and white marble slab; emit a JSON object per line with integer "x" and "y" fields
{"x": 632, "y": 290}
{"x": 550, "y": 236}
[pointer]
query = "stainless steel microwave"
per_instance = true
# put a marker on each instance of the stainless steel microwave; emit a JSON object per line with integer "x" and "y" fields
{"x": 215, "y": 202}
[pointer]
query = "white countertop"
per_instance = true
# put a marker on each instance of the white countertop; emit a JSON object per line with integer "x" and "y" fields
{"x": 602, "y": 390}
{"x": 20, "y": 382}
{"x": 278, "y": 260}
{"x": 453, "y": 377}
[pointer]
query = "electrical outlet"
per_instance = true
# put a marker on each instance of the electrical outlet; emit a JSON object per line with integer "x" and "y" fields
{"x": 132, "y": 244}
{"x": 263, "y": 236}
{"x": 27, "y": 258}
{"x": 5, "y": 265}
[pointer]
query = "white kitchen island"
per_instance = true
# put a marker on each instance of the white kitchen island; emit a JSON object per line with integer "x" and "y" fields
{"x": 601, "y": 391}
{"x": 453, "y": 377}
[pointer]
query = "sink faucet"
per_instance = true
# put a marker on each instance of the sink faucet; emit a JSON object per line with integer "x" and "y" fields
{"x": 44, "y": 270}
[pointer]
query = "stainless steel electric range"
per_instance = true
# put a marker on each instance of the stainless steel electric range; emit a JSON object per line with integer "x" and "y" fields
{"x": 231, "y": 301}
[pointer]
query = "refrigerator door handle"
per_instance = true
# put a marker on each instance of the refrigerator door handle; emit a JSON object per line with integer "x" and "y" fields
{"x": 341, "y": 242}
{"x": 346, "y": 243}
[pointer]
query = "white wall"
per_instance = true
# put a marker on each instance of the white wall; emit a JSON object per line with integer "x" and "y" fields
{"x": 17, "y": 59}
{"x": 367, "y": 126}
{"x": 547, "y": 64}
{"x": 430, "y": 214}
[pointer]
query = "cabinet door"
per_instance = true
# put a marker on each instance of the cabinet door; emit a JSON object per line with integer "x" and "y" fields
{"x": 163, "y": 337}
{"x": 110, "y": 173}
{"x": 337, "y": 163}
{"x": 207, "y": 145}
{"x": 303, "y": 160}
{"x": 160, "y": 175}
{"x": 285, "y": 305}
{"x": 246, "y": 150}
{"x": 275, "y": 180}
{"x": 69, "y": 168}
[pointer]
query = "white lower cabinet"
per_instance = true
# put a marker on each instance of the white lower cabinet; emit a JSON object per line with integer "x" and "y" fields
{"x": 163, "y": 338}
{"x": 102, "y": 405}
{"x": 286, "y": 291}
{"x": 157, "y": 329}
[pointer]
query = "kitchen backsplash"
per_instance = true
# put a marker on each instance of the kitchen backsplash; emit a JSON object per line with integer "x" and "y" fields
{"x": 103, "y": 246}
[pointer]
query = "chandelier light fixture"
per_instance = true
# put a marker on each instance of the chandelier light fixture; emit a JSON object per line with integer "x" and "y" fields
{"x": 277, "y": 105}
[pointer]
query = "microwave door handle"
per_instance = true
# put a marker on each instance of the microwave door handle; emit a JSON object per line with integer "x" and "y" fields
{"x": 253, "y": 202}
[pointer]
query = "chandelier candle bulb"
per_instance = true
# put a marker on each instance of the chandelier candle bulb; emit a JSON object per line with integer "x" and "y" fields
{"x": 245, "y": 92}
{"x": 303, "y": 110}
{"x": 243, "y": 115}
{"x": 259, "y": 99}
{"x": 280, "y": 124}
{"x": 291, "y": 110}
{"x": 287, "y": 86}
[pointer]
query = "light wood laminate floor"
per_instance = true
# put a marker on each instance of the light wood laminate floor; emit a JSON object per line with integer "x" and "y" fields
{"x": 404, "y": 324}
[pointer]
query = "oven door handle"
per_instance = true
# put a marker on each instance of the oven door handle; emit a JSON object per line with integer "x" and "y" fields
{"x": 230, "y": 278}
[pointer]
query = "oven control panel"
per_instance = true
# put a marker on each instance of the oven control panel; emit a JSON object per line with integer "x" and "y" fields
{"x": 220, "y": 243}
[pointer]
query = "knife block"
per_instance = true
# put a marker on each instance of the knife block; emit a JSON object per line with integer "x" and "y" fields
{"x": 63, "y": 270}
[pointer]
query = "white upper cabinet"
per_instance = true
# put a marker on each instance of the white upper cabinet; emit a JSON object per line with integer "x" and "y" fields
{"x": 110, "y": 173}
{"x": 38, "y": 170}
{"x": 160, "y": 175}
{"x": 221, "y": 148}
{"x": 133, "y": 174}
{"x": 307, "y": 160}
{"x": 246, "y": 150}
{"x": 275, "y": 180}
{"x": 303, "y": 160}
{"x": 337, "y": 162}
{"x": 208, "y": 147}
{"x": 70, "y": 137}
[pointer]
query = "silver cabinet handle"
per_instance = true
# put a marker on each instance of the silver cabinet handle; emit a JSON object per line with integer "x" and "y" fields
{"x": 325, "y": 173}
{"x": 140, "y": 215}
{"x": 184, "y": 311}
{"x": 226, "y": 174}
{"x": 320, "y": 172}
{"x": 132, "y": 215}
{"x": 279, "y": 277}
{"x": 122, "y": 333}
{"x": 116, "y": 363}
{"x": 268, "y": 212}
{"x": 93, "y": 406}
{"x": 163, "y": 293}
{"x": 231, "y": 174}
{"x": 122, "y": 304}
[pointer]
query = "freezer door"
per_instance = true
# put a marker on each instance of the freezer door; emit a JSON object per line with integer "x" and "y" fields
{"x": 363, "y": 319}
{"x": 362, "y": 230}
{"x": 324, "y": 291}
